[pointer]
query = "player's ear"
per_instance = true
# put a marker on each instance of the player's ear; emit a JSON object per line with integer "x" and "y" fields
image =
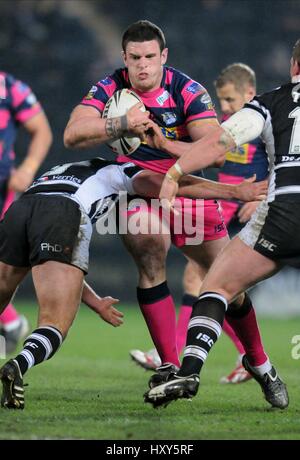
{"x": 249, "y": 93}
{"x": 123, "y": 54}
{"x": 164, "y": 56}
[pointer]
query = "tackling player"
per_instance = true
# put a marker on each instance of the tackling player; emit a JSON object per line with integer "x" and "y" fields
{"x": 48, "y": 230}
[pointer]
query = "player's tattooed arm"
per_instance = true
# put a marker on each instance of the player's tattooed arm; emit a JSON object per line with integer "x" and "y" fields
{"x": 134, "y": 123}
{"x": 116, "y": 127}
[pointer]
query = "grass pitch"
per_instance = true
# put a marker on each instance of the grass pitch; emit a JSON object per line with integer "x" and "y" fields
{"x": 91, "y": 390}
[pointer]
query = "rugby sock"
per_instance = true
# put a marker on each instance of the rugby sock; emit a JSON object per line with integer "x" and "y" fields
{"x": 184, "y": 315}
{"x": 243, "y": 322}
{"x": 10, "y": 315}
{"x": 263, "y": 368}
{"x": 39, "y": 346}
{"x": 158, "y": 308}
{"x": 233, "y": 337}
{"x": 204, "y": 329}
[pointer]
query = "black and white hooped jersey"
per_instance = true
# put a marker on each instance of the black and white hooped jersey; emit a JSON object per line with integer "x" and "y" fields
{"x": 280, "y": 109}
{"x": 95, "y": 184}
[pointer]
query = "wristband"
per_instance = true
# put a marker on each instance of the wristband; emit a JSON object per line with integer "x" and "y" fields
{"x": 116, "y": 127}
{"x": 175, "y": 172}
{"x": 178, "y": 168}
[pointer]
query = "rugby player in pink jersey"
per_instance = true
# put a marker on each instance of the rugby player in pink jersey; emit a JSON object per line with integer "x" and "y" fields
{"x": 235, "y": 86}
{"x": 182, "y": 109}
{"x": 18, "y": 107}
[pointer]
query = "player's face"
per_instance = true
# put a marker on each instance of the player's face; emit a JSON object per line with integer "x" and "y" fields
{"x": 231, "y": 100}
{"x": 145, "y": 61}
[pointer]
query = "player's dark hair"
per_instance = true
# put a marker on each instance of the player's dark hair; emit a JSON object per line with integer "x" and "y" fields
{"x": 142, "y": 31}
{"x": 296, "y": 51}
{"x": 239, "y": 74}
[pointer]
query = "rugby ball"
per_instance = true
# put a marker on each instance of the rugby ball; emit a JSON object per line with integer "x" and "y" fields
{"x": 117, "y": 106}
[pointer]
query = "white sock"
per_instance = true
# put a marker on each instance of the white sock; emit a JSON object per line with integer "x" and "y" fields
{"x": 263, "y": 368}
{"x": 12, "y": 325}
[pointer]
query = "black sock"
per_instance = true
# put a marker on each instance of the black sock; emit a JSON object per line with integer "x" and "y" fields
{"x": 39, "y": 346}
{"x": 205, "y": 327}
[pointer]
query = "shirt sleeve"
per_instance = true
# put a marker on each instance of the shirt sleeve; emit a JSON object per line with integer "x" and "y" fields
{"x": 24, "y": 102}
{"x": 197, "y": 102}
{"x": 100, "y": 93}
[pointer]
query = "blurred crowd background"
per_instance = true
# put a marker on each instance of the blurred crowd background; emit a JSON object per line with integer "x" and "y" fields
{"x": 62, "y": 47}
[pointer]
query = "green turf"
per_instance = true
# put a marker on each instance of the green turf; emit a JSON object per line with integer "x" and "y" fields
{"x": 91, "y": 390}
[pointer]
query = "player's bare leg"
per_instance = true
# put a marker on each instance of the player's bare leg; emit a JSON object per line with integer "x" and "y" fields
{"x": 14, "y": 326}
{"x": 149, "y": 252}
{"x": 10, "y": 278}
{"x": 226, "y": 279}
{"x": 192, "y": 280}
{"x": 237, "y": 268}
{"x": 58, "y": 287}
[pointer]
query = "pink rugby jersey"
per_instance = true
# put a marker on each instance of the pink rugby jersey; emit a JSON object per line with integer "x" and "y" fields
{"x": 178, "y": 101}
{"x": 17, "y": 105}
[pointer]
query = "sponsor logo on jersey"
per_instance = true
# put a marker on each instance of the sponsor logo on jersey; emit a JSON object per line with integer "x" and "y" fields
{"x": 194, "y": 88}
{"x": 239, "y": 154}
{"x": 91, "y": 93}
{"x": 205, "y": 99}
{"x": 21, "y": 87}
{"x": 289, "y": 158}
{"x": 68, "y": 178}
{"x": 296, "y": 93}
{"x": 171, "y": 133}
{"x": 31, "y": 99}
{"x": 163, "y": 98}
{"x": 107, "y": 81}
{"x": 169, "y": 118}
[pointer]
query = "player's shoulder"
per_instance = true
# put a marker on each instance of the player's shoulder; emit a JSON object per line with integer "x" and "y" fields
{"x": 14, "y": 87}
{"x": 8, "y": 78}
{"x": 119, "y": 79}
{"x": 183, "y": 83}
{"x": 275, "y": 92}
{"x": 179, "y": 77}
{"x": 270, "y": 99}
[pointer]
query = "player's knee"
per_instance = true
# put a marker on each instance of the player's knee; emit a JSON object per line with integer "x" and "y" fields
{"x": 151, "y": 267}
{"x": 151, "y": 262}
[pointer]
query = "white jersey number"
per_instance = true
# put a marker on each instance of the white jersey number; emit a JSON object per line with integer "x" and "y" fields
{"x": 295, "y": 137}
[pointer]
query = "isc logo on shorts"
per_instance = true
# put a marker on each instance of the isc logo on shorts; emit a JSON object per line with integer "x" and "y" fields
{"x": 51, "y": 247}
{"x": 267, "y": 244}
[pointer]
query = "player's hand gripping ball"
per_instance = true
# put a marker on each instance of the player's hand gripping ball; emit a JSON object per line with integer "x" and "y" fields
{"x": 117, "y": 106}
